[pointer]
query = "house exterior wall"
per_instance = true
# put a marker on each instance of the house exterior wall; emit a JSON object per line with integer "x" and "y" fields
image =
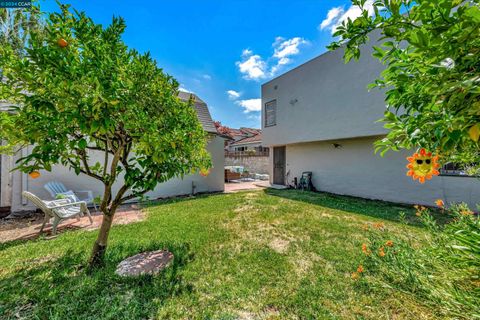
{"x": 212, "y": 183}
{"x": 325, "y": 99}
{"x": 354, "y": 169}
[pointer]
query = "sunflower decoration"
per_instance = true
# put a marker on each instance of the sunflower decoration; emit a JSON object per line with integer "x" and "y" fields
{"x": 422, "y": 165}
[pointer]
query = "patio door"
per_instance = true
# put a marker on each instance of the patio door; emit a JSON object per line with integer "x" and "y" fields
{"x": 279, "y": 165}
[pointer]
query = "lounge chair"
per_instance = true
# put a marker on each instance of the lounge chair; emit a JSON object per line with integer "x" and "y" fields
{"x": 56, "y": 188}
{"x": 58, "y": 209}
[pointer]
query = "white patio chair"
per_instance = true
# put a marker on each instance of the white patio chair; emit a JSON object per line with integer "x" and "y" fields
{"x": 55, "y": 188}
{"x": 58, "y": 210}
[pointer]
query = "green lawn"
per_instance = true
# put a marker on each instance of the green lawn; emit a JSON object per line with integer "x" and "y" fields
{"x": 251, "y": 255}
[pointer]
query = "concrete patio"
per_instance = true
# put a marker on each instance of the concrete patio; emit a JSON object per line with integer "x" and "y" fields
{"x": 245, "y": 185}
{"x": 29, "y": 227}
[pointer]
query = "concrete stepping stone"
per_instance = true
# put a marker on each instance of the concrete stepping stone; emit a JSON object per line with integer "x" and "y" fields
{"x": 144, "y": 263}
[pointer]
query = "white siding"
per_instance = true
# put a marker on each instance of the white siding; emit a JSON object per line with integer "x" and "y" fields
{"x": 325, "y": 99}
{"x": 354, "y": 169}
{"x": 212, "y": 183}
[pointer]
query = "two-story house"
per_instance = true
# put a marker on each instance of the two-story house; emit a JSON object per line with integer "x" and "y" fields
{"x": 320, "y": 117}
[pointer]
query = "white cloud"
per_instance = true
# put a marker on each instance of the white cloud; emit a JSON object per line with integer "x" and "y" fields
{"x": 182, "y": 88}
{"x": 336, "y": 16}
{"x": 250, "y": 105}
{"x": 332, "y": 15}
{"x": 247, "y": 52}
{"x": 286, "y": 48}
{"x": 252, "y": 66}
{"x": 233, "y": 95}
{"x": 207, "y": 77}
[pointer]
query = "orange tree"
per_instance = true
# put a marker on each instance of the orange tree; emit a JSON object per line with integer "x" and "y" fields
{"x": 431, "y": 50}
{"x": 82, "y": 98}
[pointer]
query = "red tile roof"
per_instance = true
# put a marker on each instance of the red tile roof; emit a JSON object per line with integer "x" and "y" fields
{"x": 254, "y": 139}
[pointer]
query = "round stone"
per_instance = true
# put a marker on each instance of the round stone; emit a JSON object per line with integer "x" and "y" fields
{"x": 144, "y": 263}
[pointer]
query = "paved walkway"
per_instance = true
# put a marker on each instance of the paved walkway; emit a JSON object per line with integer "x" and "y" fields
{"x": 251, "y": 185}
{"x": 28, "y": 228}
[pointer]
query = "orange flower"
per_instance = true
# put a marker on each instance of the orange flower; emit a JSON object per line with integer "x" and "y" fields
{"x": 381, "y": 252}
{"x": 365, "y": 249}
{"x": 360, "y": 269}
{"x": 34, "y": 174}
{"x": 379, "y": 225}
{"x": 422, "y": 166}
{"x": 440, "y": 203}
{"x": 420, "y": 210}
{"x": 466, "y": 212}
{"x": 355, "y": 275}
{"x": 389, "y": 243}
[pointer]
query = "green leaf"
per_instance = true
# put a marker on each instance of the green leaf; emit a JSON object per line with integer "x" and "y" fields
{"x": 82, "y": 144}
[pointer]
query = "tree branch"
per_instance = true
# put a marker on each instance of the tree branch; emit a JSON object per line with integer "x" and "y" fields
{"x": 91, "y": 174}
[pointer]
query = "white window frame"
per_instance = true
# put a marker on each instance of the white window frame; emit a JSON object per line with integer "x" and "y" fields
{"x": 271, "y": 104}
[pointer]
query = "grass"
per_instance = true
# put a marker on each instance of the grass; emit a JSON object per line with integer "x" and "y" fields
{"x": 271, "y": 254}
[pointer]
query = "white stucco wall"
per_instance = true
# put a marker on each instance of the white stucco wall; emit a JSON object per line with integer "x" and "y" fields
{"x": 212, "y": 183}
{"x": 325, "y": 99}
{"x": 354, "y": 169}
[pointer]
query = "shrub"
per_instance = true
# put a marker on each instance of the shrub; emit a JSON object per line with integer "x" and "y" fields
{"x": 442, "y": 270}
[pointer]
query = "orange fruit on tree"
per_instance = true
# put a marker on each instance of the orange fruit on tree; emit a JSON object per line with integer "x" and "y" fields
{"x": 34, "y": 174}
{"x": 62, "y": 43}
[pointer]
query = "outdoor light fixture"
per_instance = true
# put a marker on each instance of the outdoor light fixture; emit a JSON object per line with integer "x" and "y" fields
{"x": 336, "y": 145}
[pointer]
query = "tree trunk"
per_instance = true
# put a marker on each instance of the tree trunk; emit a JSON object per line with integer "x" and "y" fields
{"x": 100, "y": 246}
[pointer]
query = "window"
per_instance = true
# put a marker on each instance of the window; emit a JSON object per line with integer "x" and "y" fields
{"x": 271, "y": 113}
{"x": 453, "y": 169}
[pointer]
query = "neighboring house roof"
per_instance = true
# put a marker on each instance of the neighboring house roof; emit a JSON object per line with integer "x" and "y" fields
{"x": 237, "y": 134}
{"x": 250, "y": 130}
{"x": 200, "y": 106}
{"x": 255, "y": 139}
{"x": 202, "y": 111}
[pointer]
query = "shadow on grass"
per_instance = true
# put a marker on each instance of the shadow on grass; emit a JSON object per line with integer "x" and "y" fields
{"x": 62, "y": 288}
{"x": 69, "y": 228}
{"x": 372, "y": 208}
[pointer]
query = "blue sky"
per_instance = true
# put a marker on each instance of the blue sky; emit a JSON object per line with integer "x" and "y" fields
{"x": 214, "y": 47}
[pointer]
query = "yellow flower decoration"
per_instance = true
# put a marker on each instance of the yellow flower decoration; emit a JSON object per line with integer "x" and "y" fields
{"x": 422, "y": 166}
